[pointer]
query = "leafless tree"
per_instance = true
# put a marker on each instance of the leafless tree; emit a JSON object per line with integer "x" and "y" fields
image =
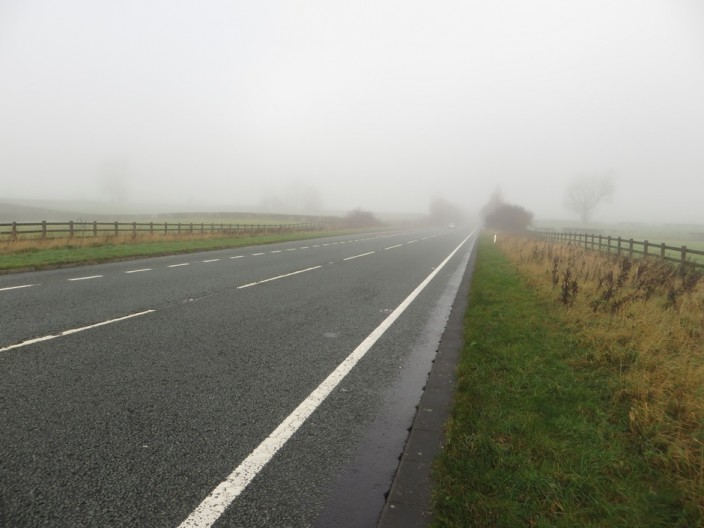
{"x": 586, "y": 192}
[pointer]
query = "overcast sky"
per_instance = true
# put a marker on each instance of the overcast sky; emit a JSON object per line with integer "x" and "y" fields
{"x": 382, "y": 104}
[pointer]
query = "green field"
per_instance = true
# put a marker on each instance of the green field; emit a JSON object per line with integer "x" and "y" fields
{"x": 39, "y": 257}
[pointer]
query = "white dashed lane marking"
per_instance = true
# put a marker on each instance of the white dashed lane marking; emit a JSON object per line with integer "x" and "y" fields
{"x": 277, "y": 277}
{"x": 357, "y": 256}
{"x": 19, "y": 287}
{"x": 73, "y": 331}
{"x": 86, "y": 278}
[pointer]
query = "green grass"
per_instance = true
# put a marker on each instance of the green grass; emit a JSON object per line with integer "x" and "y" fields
{"x": 41, "y": 258}
{"x": 535, "y": 437}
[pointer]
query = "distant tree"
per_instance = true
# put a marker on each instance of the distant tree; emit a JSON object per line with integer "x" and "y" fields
{"x": 495, "y": 201}
{"x": 359, "y": 218}
{"x": 113, "y": 179}
{"x": 586, "y": 192}
{"x": 444, "y": 212}
{"x": 508, "y": 217}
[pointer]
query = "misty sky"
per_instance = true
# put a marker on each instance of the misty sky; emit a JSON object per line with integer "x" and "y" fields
{"x": 382, "y": 104}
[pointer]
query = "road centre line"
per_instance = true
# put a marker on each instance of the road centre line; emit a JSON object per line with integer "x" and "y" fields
{"x": 357, "y": 256}
{"x": 19, "y": 287}
{"x": 139, "y": 270}
{"x": 277, "y": 277}
{"x": 276, "y": 251}
{"x": 291, "y": 249}
{"x": 73, "y": 331}
{"x": 86, "y": 278}
{"x": 412, "y": 242}
{"x": 238, "y": 256}
{"x": 257, "y": 254}
{"x": 393, "y": 247}
{"x": 179, "y": 265}
{"x": 215, "y": 504}
{"x": 210, "y": 260}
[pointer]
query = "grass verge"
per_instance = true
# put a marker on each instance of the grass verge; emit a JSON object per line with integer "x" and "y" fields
{"x": 535, "y": 437}
{"x": 36, "y": 255}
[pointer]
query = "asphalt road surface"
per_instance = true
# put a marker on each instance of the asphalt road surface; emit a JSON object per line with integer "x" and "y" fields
{"x": 263, "y": 386}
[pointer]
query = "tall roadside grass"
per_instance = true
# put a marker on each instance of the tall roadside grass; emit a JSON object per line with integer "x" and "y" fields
{"x": 642, "y": 320}
{"x": 547, "y": 426}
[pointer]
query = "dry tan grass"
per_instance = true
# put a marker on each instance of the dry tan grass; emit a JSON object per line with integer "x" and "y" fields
{"x": 644, "y": 319}
{"x": 21, "y": 245}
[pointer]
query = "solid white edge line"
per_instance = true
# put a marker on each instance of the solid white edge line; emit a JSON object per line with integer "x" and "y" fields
{"x": 278, "y": 277}
{"x": 215, "y": 504}
{"x": 19, "y": 287}
{"x": 357, "y": 256}
{"x": 86, "y": 278}
{"x": 73, "y": 331}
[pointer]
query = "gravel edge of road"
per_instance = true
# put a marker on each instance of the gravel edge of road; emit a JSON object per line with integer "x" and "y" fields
{"x": 408, "y": 504}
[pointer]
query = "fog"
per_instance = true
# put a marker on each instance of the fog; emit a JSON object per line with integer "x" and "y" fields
{"x": 382, "y": 104}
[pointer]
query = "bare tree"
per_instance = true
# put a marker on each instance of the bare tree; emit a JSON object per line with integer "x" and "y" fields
{"x": 586, "y": 192}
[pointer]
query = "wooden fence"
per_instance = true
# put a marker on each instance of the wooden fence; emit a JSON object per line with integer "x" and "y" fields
{"x": 631, "y": 248}
{"x": 44, "y": 229}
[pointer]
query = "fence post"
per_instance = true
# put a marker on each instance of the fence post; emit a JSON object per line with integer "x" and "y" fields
{"x": 70, "y": 228}
{"x": 190, "y": 230}
{"x": 151, "y": 228}
{"x": 178, "y": 228}
{"x": 166, "y": 228}
{"x": 117, "y": 228}
{"x": 134, "y": 229}
{"x": 43, "y": 228}
{"x": 608, "y": 246}
{"x": 684, "y": 255}
{"x": 618, "y": 248}
{"x": 630, "y": 248}
{"x": 599, "y": 243}
{"x": 13, "y": 235}
{"x": 202, "y": 228}
{"x": 645, "y": 248}
{"x": 662, "y": 250}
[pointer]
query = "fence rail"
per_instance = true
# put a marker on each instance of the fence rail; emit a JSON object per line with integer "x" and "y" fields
{"x": 15, "y": 230}
{"x": 631, "y": 248}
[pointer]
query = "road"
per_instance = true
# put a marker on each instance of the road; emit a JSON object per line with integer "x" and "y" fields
{"x": 263, "y": 386}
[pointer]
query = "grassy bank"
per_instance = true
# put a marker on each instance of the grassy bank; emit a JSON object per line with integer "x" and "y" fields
{"x": 42, "y": 254}
{"x": 541, "y": 433}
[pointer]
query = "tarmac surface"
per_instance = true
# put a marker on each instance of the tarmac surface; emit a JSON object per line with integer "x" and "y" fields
{"x": 409, "y": 502}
